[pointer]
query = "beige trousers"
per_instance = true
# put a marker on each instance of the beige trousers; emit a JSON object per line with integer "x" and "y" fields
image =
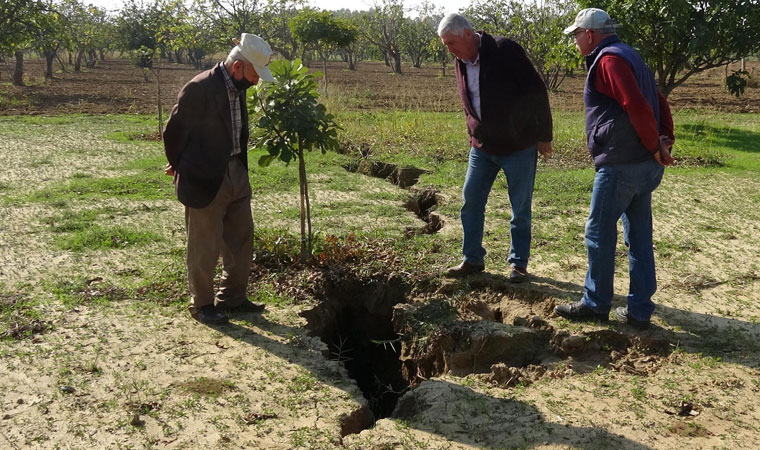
{"x": 223, "y": 227}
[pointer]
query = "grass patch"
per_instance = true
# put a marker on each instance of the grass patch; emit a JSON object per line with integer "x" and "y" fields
{"x": 96, "y": 237}
{"x": 10, "y": 102}
{"x": 266, "y": 293}
{"x": 210, "y": 387}
{"x": 20, "y": 317}
{"x": 72, "y": 221}
{"x": 134, "y": 187}
{"x": 81, "y": 290}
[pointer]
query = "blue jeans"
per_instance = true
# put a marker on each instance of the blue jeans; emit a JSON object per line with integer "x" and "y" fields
{"x": 520, "y": 170}
{"x": 622, "y": 190}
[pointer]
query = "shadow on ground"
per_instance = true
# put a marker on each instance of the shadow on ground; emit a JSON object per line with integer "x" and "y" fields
{"x": 453, "y": 412}
{"x": 732, "y": 340}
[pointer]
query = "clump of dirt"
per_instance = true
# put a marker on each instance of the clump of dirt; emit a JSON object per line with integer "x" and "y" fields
{"x": 207, "y": 386}
{"x": 155, "y": 136}
{"x": 508, "y": 376}
{"x": 96, "y": 288}
{"x": 422, "y": 202}
{"x": 506, "y": 335}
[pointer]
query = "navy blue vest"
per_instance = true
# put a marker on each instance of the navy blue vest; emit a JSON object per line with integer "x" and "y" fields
{"x": 610, "y": 135}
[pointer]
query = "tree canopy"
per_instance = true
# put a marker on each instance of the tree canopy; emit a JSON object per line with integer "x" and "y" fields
{"x": 680, "y": 38}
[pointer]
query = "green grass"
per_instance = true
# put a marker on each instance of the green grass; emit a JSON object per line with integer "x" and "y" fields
{"x": 20, "y": 316}
{"x": 729, "y": 140}
{"x": 70, "y": 221}
{"x": 148, "y": 186}
{"x": 96, "y": 237}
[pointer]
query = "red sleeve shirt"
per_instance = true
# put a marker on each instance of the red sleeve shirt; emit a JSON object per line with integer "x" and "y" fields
{"x": 614, "y": 78}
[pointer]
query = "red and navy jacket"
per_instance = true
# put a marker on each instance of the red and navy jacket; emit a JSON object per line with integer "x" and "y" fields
{"x": 625, "y": 113}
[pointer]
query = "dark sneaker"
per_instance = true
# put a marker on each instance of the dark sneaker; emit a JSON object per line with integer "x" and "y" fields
{"x": 578, "y": 311}
{"x": 518, "y": 274}
{"x": 244, "y": 306}
{"x": 464, "y": 269}
{"x": 209, "y": 315}
{"x": 621, "y": 313}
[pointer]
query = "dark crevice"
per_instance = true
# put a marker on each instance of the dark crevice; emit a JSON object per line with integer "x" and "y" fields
{"x": 400, "y": 176}
{"x": 354, "y": 320}
{"x": 422, "y": 202}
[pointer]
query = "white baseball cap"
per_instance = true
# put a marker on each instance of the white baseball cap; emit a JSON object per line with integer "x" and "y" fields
{"x": 257, "y": 52}
{"x": 593, "y": 19}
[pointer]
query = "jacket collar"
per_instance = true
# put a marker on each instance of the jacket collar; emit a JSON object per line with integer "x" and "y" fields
{"x": 595, "y": 52}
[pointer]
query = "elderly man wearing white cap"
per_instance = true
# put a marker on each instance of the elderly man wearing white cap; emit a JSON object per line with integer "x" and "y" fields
{"x": 629, "y": 133}
{"x": 206, "y": 143}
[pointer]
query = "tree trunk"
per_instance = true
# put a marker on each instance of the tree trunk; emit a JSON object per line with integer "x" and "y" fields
{"x": 49, "y": 57}
{"x": 18, "y": 74}
{"x": 78, "y": 61}
{"x": 71, "y": 59}
{"x": 158, "y": 101}
{"x": 443, "y": 69}
{"x": 324, "y": 68}
{"x": 305, "y": 209}
{"x": 102, "y": 54}
{"x": 60, "y": 62}
{"x": 92, "y": 59}
{"x": 397, "y": 63}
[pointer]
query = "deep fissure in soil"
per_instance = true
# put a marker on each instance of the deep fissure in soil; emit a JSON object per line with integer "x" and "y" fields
{"x": 354, "y": 320}
{"x": 369, "y": 325}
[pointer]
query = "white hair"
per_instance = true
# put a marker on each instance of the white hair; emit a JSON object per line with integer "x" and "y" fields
{"x": 454, "y": 24}
{"x": 235, "y": 55}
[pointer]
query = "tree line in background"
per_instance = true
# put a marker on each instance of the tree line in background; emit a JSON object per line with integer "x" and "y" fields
{"x": 678, "y": 38}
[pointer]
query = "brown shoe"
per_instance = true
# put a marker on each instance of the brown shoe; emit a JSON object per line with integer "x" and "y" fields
{"x": 518, "y": 274}
{"x": 464, "y": 269}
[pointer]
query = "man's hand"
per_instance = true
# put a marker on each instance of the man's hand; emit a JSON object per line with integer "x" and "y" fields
{"x": 662, "y": 155}
{"x": 545, "y": 149}
{"x": 169, "y": 170}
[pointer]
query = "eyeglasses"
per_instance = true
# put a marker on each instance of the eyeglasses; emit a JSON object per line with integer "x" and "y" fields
{"x": 577, "y": 32}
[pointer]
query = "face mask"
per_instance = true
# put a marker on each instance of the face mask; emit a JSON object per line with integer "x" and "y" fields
{"x": 242, "y": 84}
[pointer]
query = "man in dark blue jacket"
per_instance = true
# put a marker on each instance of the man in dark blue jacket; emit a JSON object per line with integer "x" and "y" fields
{"x": 508, "y": 118}
{"x": 630, "y": 132}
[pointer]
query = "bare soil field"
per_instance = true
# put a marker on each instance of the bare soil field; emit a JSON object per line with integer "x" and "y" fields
{"x": 361, "y": 348}
{"x": 117, "y": 86}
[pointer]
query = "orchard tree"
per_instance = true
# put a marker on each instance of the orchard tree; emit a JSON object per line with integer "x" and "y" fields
{"x": 18, "y": 22}
{"x": 51, "y": 35}
{"x": 358, "y": 50}
{"x": 140, "y": 29}
{"x": 322, "y": 31}
{"x": 417, "y": 32}
{"x": 382, "y": 26}
{"x": 537, "y": 28}
{"x": 275, "y": 26}
{"x": 230, "y": 18}
{"x": 680, "y": 38}
{"x": 87, "y": 31}
{"x": 291, "y": 122}
{"x": 439, "y": 53}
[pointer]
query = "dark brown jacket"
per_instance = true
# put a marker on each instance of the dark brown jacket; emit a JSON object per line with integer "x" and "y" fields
{"x": 513, "y": 99}
{"x": 198, "y": 137}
